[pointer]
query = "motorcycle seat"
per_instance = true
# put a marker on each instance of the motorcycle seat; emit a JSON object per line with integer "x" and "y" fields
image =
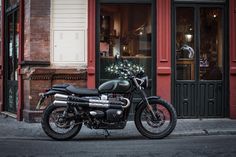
{"x": 82, "y": 91}
{"x": 60, "y": 85}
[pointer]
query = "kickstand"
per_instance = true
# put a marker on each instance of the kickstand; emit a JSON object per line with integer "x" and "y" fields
{"x": 106, "y": 133}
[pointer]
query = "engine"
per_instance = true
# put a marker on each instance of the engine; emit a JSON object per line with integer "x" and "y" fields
{"x": 109, "y": 115}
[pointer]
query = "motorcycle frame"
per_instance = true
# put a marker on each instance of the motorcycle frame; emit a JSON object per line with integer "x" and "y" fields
{"x": 135, "y": 87}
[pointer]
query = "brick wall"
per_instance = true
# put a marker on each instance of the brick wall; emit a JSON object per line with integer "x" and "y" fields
{"x": 37, "y": 73}
{"x": 36, "y": 80}
{"x": 37, "y": 30}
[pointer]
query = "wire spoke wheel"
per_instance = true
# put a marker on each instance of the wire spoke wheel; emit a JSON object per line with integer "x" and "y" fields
{"x": 58, "y": 124}
{"x": 158, "y": 127}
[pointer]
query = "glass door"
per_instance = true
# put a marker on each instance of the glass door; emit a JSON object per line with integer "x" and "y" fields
{"x": 11, "y": 60}
{"x": 199, "y": 61}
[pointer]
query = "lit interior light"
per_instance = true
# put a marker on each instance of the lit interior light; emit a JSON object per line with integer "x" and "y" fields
{"x": 188, "y": 37}
{"x": 124, "y": 48}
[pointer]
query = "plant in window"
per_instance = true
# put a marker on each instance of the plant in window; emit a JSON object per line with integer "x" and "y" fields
{"x": 115, "y": 68}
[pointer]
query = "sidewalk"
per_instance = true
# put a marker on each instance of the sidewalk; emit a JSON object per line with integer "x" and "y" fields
{"x": 11, "y": 128}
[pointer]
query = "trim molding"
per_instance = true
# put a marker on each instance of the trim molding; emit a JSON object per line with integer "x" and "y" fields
{"x": 80, "y": 76}
{"x": 163, "y": 33}
{"x": 91, "y": 43}
{"x": 233, "y": 70}
{"x": 35, "y": 63}
{"x": 163, "y": 43}
{"x": 164, "y": 70}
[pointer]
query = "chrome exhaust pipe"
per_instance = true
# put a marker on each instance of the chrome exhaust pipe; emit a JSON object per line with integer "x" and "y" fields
{"x": 86, "y": 104}
{"x": 61, "y": 97}
{"x": 58, "y": 102}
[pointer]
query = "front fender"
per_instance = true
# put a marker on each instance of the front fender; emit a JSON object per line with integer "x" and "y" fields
{"x": 149, "y": 99}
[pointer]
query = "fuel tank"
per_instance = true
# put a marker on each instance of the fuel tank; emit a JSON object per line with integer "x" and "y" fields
{"x": 115, "y": 86}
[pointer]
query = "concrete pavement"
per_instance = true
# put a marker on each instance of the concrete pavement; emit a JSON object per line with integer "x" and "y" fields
{"x": 11, "y": 128}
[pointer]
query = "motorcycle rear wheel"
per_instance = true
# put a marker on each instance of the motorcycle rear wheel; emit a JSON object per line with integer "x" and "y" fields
{"x": 55, "y": 126}
{"x": 156, "y": 129}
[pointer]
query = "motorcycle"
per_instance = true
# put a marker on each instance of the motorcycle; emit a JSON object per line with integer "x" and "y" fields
{"x": 107, "y": 107}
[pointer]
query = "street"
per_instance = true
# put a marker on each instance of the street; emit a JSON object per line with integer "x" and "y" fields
{"x": 187, "y": 146}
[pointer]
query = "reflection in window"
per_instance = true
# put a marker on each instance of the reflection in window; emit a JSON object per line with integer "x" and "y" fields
{"x": 211, "y": 46}
{"x": 125, "y": 30}
{"x": 10, "y": 4}
{"x": 13, "y": 45}
{"x": 185, "y": 53}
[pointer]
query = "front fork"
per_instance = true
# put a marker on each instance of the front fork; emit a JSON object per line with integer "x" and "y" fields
{"x": 149, "y": 107}
{"x": 144, "y": 97}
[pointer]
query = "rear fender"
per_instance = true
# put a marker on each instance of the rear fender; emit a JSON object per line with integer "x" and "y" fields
{"x": 150, "y": 99}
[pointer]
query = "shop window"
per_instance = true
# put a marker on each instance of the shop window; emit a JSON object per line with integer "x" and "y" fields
{"x": 185, "y": 53}
{"x": 211, "y": 44}
{"x": 125, "y": 30}
{"x": 209, "y": 38}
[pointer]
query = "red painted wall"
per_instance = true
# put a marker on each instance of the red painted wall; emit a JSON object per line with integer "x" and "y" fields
{"x": 91, "y": 43}
{"x": 232, "y": 49}
{"x": 163, "y": 8}
{"x": 21, "y": 53}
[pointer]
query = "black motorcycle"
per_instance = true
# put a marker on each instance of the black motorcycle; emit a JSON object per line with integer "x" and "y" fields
{"x": 107, "y": 107}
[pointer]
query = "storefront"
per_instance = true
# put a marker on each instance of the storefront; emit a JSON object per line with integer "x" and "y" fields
{"x": 200, "y": 60}
{"x": 187, "y": 48}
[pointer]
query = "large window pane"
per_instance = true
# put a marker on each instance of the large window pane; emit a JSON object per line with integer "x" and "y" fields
{"x": 126, "y": 30}
{"x": 185, "y": 55}
{"x": 211, "y": 44}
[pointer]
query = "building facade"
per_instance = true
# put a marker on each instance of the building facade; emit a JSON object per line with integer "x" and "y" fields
{"x": 187, "y": 48}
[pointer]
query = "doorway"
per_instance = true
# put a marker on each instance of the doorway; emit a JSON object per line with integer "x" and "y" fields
{"x": 199, "y": 61}
{"x": 11, "y": 57}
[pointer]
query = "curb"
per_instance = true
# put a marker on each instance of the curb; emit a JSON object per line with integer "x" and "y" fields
{"x": 115, "y": 135}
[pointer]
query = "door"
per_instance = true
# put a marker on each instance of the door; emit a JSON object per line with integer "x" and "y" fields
{"x": 199, "y": 61}
{"x": 126, "y": 29}
{"x": 11, "y": 60}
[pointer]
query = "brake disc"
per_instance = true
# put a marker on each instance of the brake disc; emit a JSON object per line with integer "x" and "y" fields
{"x": 156, "y": 123}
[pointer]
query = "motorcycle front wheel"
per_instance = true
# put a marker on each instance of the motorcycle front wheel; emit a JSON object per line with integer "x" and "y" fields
{"x": 160, "y": 127}
{"x": 57, "y": 125}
